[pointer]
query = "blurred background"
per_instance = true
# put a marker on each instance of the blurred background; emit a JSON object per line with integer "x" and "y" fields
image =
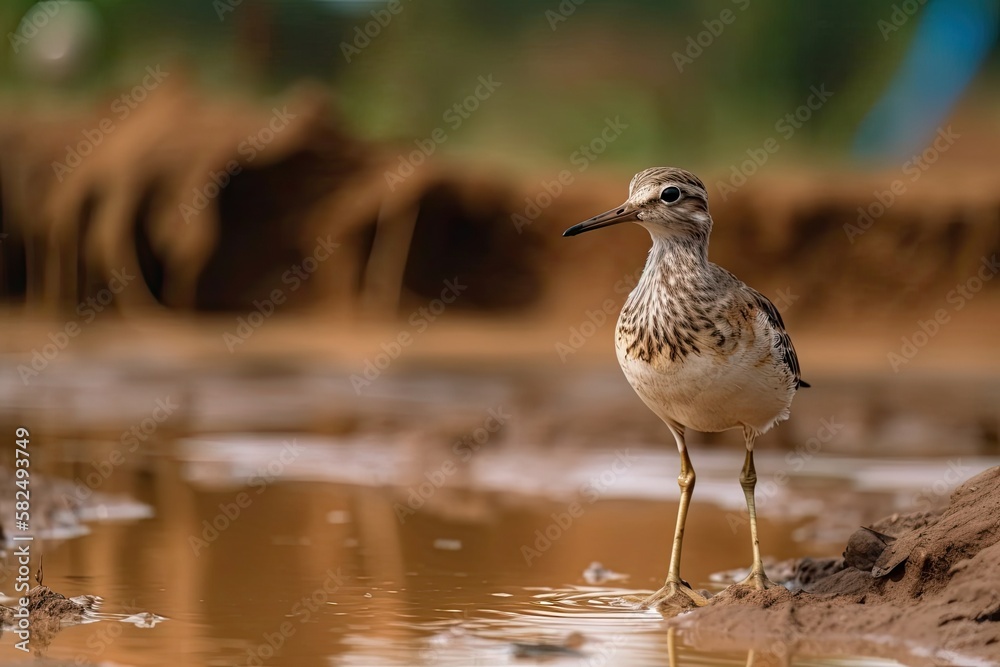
{"x": 309, "y": 251}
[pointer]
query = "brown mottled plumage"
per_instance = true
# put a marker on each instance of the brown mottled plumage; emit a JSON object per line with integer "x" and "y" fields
{"x": 700, "y": 348}
{"x": 676, "y": 309}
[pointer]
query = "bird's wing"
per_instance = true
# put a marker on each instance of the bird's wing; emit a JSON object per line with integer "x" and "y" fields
{"x": 783, "y": 342}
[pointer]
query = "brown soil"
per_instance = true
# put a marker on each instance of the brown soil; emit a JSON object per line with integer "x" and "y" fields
{"x": 932, "y": 595}
{"x": 148, "y": 199}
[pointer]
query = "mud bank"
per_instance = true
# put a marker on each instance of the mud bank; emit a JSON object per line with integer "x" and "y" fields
{"x": 931, "y": 595}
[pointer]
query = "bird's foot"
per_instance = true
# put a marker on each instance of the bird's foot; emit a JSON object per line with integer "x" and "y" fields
{"x": 675, "y": 595}
{"x": 757, "y": 579}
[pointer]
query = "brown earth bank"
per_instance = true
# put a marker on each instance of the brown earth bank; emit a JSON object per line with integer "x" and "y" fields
{"x": 931, "y": 595}
{"x": 178, "y": 197}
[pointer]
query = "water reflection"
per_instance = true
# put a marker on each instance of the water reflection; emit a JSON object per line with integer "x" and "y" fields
{"x": 259, "y": 559}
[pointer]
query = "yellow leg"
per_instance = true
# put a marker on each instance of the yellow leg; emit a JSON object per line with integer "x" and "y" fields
{"x": 674, "y": 584}
{"x": 686, "y": 481}
{"x": 748, "y": 480}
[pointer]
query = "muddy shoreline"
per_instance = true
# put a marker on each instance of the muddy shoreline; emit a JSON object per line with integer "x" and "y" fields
{"x": 931, "y": 595}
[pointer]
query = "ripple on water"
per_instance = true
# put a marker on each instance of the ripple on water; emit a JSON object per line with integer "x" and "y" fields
{"x": 575, "y": 625}
{"x": 550, "y": 625}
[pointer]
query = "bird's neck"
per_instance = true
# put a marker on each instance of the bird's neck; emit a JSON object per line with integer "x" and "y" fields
{"x": 655, "y": 320}
{"x": 674, "y": 268}
{"x": 675, "y": 256}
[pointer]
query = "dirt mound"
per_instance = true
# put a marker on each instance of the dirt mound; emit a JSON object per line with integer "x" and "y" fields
{"x": 215, "y": 201}
{"x": 932, "y": 594}
{"x": 212, "y": 201}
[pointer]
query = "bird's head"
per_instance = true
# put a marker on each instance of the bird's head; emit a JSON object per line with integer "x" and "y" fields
{"x": 667, "y": 201}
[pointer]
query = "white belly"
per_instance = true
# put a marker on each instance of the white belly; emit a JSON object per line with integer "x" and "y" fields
{"x": 710, "y": 393}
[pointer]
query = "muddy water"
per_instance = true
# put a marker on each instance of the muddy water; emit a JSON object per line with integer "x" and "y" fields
{"x": 255, "y": 560}
{"x": 291, "y": 549}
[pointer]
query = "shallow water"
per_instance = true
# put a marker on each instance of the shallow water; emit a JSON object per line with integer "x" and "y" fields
{"x": 274, "y": 516}
{"x": 285, "y": 549}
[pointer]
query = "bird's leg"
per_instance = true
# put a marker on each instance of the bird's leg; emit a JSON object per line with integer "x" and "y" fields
{"x": 748, "y": 480}
{"x": 685, "y": 480}
{"x": 674, "y": 584}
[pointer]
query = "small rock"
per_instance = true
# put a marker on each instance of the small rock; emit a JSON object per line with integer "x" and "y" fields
{"x": 569, "y": 647}
{"x": 864, "y": 548}
{"x": 598, "y": 574}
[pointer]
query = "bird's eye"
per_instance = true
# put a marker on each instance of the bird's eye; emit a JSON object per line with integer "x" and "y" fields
{"x": 671, "y": 194}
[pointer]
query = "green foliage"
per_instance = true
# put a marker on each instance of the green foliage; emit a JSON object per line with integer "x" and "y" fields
{"x": 562, "y": 72}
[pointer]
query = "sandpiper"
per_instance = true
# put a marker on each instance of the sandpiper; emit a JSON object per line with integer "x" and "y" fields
{"x": 699, "y": 347}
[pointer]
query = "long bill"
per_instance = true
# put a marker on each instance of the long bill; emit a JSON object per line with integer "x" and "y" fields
{"x": 613, "y": 217}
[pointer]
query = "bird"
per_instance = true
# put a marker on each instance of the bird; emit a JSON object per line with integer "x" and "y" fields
{"x": 701, "y": 349}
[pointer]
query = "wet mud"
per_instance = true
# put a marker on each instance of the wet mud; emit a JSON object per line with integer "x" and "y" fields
{"x": 42, "y": 613}
{"x": 926, "y": 586}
